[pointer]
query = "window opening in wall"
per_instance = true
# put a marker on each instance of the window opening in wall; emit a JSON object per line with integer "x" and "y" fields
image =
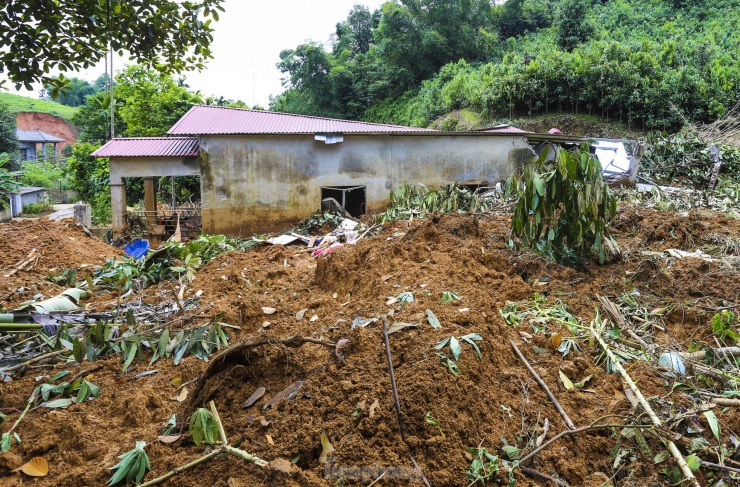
{"x": 352, "y": 198}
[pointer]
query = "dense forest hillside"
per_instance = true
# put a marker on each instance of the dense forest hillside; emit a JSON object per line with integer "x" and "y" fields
{"x": 631, "y": 61}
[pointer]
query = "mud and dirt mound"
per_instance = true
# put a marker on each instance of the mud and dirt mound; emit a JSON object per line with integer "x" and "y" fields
{"x": 50, "y": 124}
{"x": 346, "y": 392}
{"x": 59, "y": 245}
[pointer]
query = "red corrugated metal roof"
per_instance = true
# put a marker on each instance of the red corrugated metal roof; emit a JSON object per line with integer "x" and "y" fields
{"x": 150, "y": 147}
{"x": 204, "y": 120}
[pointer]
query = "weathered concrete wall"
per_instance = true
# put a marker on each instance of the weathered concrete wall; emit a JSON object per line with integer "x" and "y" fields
{"x": 253, "y": 184}
{"x": 142, "y": 167}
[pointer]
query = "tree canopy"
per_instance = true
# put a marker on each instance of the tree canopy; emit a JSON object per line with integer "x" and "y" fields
{"x": 413, "y": 61}
{"x": 147, "y": 104}
{"x": 37, "y": 36}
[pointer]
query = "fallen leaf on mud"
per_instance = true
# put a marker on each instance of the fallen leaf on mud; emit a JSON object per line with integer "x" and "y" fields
{"x": 269, "y": 440}
{"x": 314, "y": 318}
{"x": 385, "y": 278}
{"x": 146, "y": 373}
{"x": 525, "y": 335}
{"x": 281, "y": 465}
{"x": 555, "y": 340}
{"x": 391, "y": 301}
{"x": 182, "y": 395}
{"x": 264, "y": 422}
{"x": 299, "y": 315}
{"x": 398, "y": 326}
{"x": 232, "y": 482}
{"x": 463, "y": 310}
{"x": 373, "y": 407}
{"x": 36, "y": 467}
{"x": 254, "y": 397}
{"x": 566, "y": 381}
{"x": 268, "y": 311}
{"x": 326, "y": 448}
{"x": 432, "y": 319}
{"x": 582, "y": 383}
{"x": 59, "y": 403}
{"x": 177, "y": 381}
{"x": 168, "y": 439}
{"x": 286, "y": 394}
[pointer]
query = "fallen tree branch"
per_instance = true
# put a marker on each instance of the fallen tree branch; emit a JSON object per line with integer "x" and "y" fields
{"x": 720, "y": 467}
{"x": 23, "y": 263}
{"x": 672, "y": 448}
{"x": 32, "y": 360}
{"x": 702, "y": 354}
{"x": 537, "y": 474}
{"x": 235, "y": 353}
{"x": 592, "y": 426}
{"x": 393, "y": 379}
{"x": 395, "y": 398}
{"x": 542, "y": 384}
{"x": 224, "y": 448}
{"x": 725, "y": 401}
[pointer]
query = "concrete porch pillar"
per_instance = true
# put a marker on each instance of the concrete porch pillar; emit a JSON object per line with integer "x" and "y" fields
{"x": 118, "y": 205}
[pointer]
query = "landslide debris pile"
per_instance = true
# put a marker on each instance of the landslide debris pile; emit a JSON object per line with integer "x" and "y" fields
{"x": 447, "y": 277}
{"x": 58, "y": 246}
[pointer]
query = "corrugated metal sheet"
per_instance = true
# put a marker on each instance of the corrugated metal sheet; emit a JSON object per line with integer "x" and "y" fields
{"x": 504, "y": 129}
{"x": 150, "y": 147}
{"x": 204, "y": 120}
{"x": 36, "y": 136}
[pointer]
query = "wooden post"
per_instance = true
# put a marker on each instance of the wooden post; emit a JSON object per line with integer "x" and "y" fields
{"x": 150, "y": 202}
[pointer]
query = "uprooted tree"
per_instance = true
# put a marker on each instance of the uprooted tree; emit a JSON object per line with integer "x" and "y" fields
{"x": 564, "y": 206}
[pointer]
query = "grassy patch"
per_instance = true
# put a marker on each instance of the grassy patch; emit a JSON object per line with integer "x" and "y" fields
{"x": 19, "y": 103}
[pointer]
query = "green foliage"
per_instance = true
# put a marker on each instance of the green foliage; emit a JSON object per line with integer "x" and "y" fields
{"x": 723, "y": 325}
{"x": 35, "y": 208}
{"x": 670, "y": 159}
{"x": 133, "y": 466}
{"x": 74, "y": 94}
{"x": 93, "y": 119}
{"x": 483, "y": 467}
{"x": 203, "y": 427}
{"x": 173, "y": 36}
{"x": 150, "y": 102}
{"x": 9, "y": 144}
{"x": 41, "y": 173}
{"x": 573, "y": 27}
{"x": 8, "y": 184}
{"x": 171, "y": 261}
{"x": 409, "y": 202}
{"x": 89, "y": 178}
{"x": 564, "y": 207}
{"x": 627, "y": 60}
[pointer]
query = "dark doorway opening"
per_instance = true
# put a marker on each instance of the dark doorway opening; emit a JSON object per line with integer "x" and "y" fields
{"x": 352, "y": 198}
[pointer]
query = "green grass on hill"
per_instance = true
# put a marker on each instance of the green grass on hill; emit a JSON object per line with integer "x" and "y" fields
{"x": 19, "y": 103}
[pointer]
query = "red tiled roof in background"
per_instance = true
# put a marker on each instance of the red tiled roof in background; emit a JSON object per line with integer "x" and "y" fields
{"x": 211, "y": 120}
{"x": 150, "y": 147}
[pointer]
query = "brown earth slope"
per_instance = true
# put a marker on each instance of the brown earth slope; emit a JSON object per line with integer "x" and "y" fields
{"x": 347, "y": 393}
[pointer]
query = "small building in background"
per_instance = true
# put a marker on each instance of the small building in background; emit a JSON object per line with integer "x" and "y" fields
{"x": 34, "y": 141}
{"x": 24, "y": 196}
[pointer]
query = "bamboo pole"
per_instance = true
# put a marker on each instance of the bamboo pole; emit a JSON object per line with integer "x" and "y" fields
{"x": 672, "y": 448}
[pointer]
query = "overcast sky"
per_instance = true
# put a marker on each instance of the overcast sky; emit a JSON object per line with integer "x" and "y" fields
{"x": 247, "y": 42}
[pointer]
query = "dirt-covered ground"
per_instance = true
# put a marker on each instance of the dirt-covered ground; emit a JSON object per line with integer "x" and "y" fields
{"x": 347, "y": 391}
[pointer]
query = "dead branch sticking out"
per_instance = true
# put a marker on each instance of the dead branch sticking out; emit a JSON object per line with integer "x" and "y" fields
{"x": 235, "y": 353}
{"x": 224, "y": 448}
{"x": 542, "y": 384}
{"x": 395, "y": 398}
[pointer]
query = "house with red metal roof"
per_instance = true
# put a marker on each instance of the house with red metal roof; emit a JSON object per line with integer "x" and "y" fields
{"x": 262, "y": 171}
